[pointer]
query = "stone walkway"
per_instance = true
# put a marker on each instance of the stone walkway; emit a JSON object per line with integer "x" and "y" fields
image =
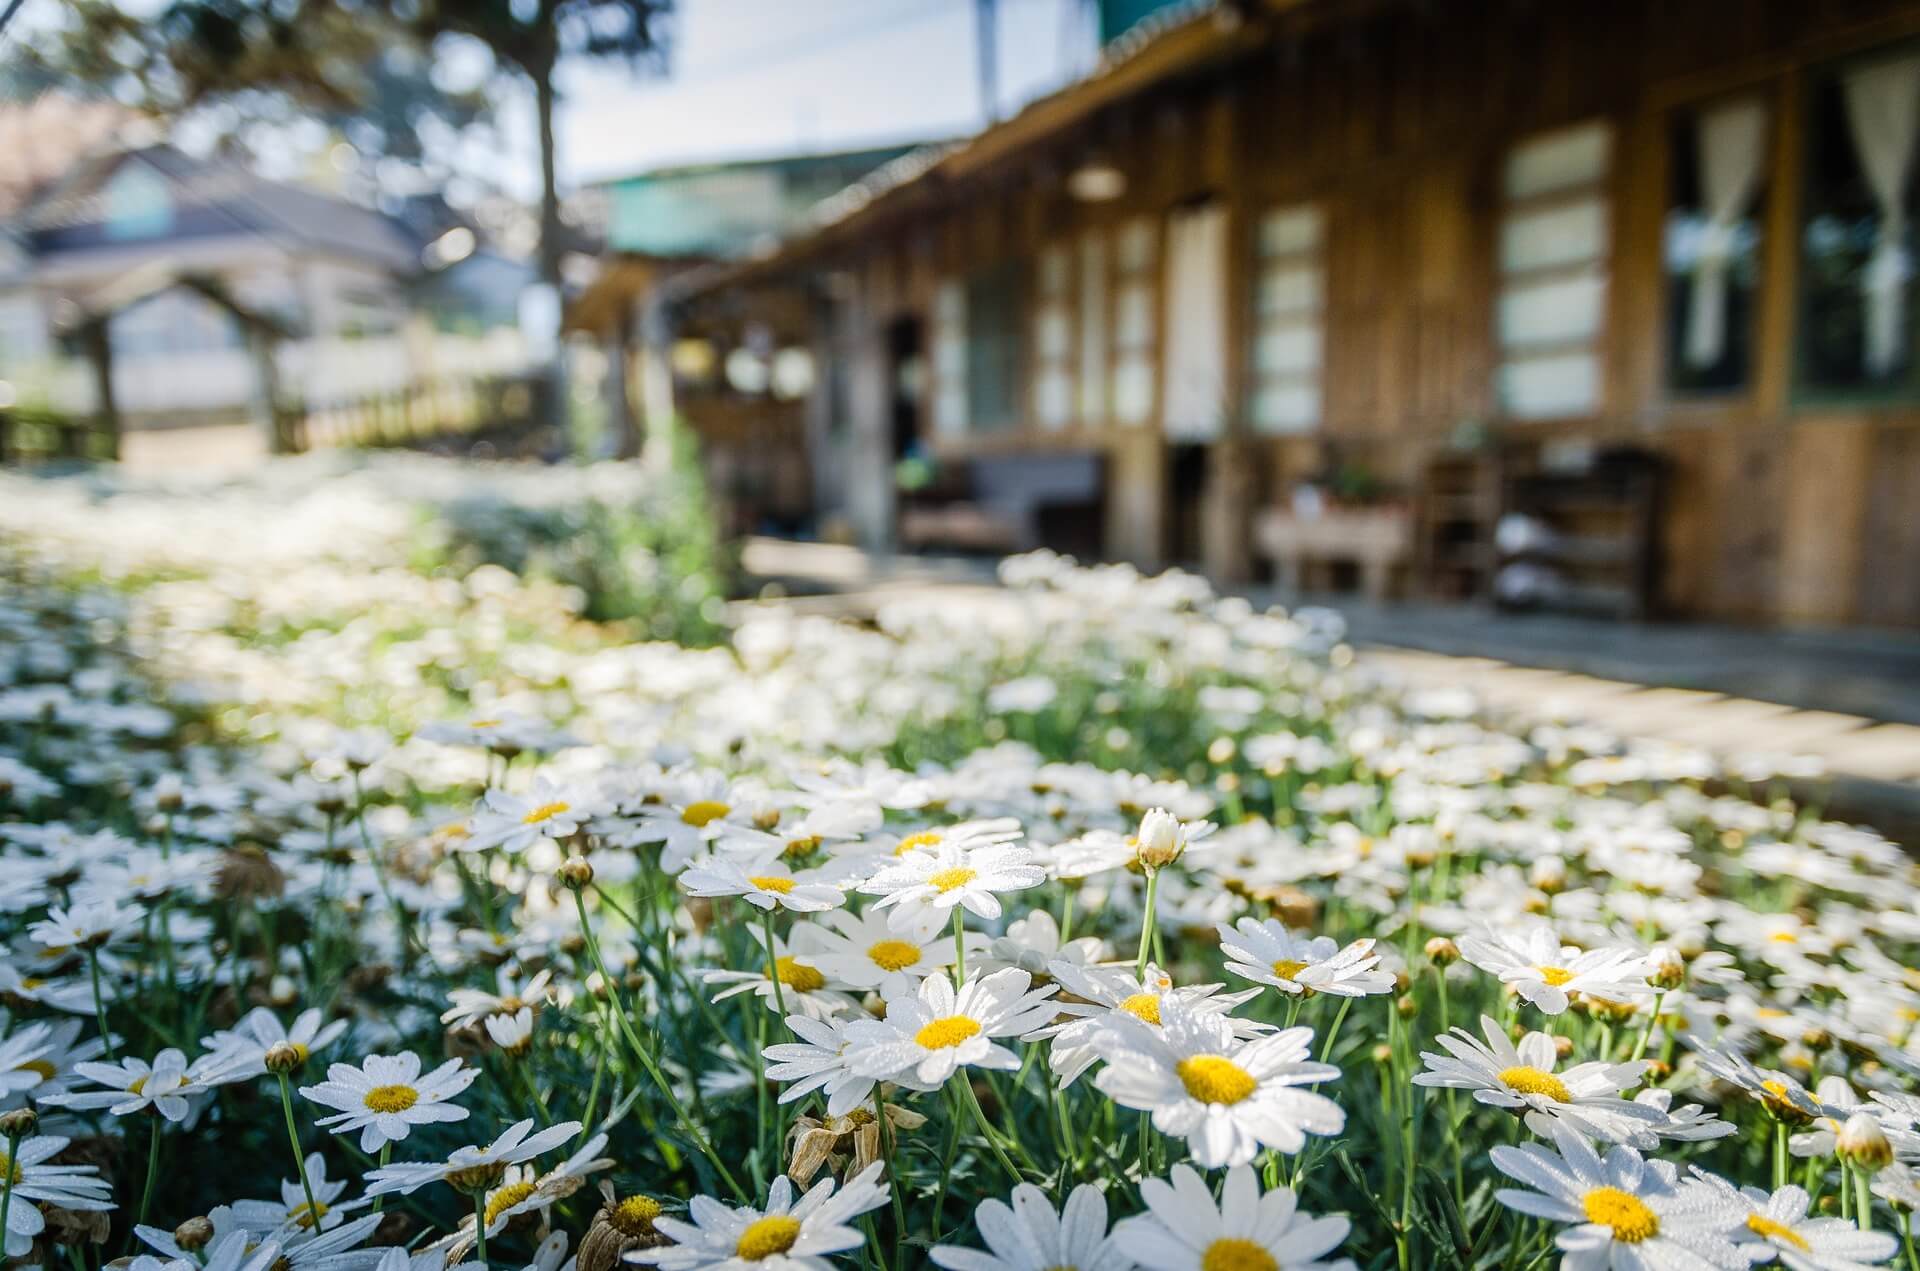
{"x": 1847, "y": 702}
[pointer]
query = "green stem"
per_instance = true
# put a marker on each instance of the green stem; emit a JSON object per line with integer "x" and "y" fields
{"x": 153, "y": 1168}
{"x": 972, "y": 1101}
{"x": 299, "y": 1162}
{"x": 893, "y": 1178}
{"x": 1146, "y": 926}
{"x": 386, "y": 1154}
{"x": 6, "y": 1188}
{"x": 687, "y": 1126}
{"x": 100, "y": 1002}
{"x": 773, "y": 965}
{"x": 959, "y": 948}
{"x": 480, "y": 1226}
{"x": 1863, "y": 1199}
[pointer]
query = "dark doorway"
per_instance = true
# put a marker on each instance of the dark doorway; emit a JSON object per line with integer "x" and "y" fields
{"x": 1186, "y": 494}
{"x": 906, "y": 383}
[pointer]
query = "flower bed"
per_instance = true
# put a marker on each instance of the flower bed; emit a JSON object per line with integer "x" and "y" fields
{"x": 369, "y": 904}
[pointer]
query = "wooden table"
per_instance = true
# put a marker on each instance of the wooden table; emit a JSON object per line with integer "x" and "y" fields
{"x": 1376, "y": 539}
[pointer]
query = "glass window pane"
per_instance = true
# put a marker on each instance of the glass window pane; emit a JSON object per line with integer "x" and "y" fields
{"x": 1561, "y": 160}
{"x": 1557, "y": 312}
{"x": 1553, "y": 237}
{"x": 1551, "y": 387}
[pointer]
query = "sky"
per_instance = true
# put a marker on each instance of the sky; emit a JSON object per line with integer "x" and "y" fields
{"x": 753, "y": 78}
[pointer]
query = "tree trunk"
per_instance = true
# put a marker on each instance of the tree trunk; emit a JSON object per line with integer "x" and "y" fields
{"x": 554, "y": 375}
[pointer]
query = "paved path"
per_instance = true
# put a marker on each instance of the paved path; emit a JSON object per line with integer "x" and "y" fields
{"x": 1849, "y": 702}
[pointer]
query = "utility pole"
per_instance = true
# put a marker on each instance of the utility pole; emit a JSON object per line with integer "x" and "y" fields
{"x": 986, "y": 29}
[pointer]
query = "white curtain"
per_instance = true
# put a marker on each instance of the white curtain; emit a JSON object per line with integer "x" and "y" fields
{"x": 1732, "y": 146}
{"x": 1883, "y": 106}
{"x": 1196, "y": 326}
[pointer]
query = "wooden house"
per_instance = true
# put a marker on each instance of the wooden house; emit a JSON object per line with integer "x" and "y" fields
{"x": 1620, "y": 293}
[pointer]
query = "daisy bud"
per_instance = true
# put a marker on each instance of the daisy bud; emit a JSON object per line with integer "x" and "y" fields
{"x": 1817, "y": 1040}
{"x": 1862, "y": 1144}
{"x": 285, "y": 1057}
{"x": 1442, "y": 952}
{"x": 1548, "y": 874}
{"x": 1407, "y": 1007}
{"x": 193, "y": 1235}
{"x": 1562, "y": 1047}
{"x": 1383, "y": 1054}
{"x": 1161, "y": 839}
{"x": 19, "y": 1123}
{"x": 1669, "y": 968}
{"x": 576, "y": 872}
{"x": 476, "y": 1179}
{"x": 169, "y": 795}
{"x": 1221, "y": 751}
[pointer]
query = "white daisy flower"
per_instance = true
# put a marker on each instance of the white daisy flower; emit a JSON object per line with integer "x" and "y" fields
{"x": 387, "y": 1096}
{"x": 291, "y": 1214}
{"x": 38, "y": 1059}
{"x": 1586, "y": 1097}
{"x": 926, "y": 1037}
{"x": 1624, "y": 1211}
{"x": 36, "y": 1181}
{"x": 1688, "y": 1123}
{"x": 762, "y": 883}
{"x": 949, "y": 874}
{"x": 525, "y": 1190}
{"x": 515, "y": 822}
{"x": 241, "y": 1052}
{"x": 1781, "y": 1095}
{"x": 818, "y": 1061}
{"x": 134, "y": 1085}
{"x": 1185, "y": 1230}
{"x": 231, "y": 1251}
{"x": 788, "y": 1235}
{"x": 1098, "y": 993}
{"x": 1546, "y": 973}
{"x": 865, "y": 951}
{"x": 803, "y": 986}
{"x": 511, "y": 995}
{"x": 90, "y": 924}
{"x": 1777, "y": 1228}
{"x": 1031, "y": 1235}
{"x": 1267, "y": 953}
{"x": 1226, "y": 1098}
{"x": 469, "y": 1168}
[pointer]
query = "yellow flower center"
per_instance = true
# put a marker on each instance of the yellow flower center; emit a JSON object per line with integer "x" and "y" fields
{"x": 1143, "y": 1006}
{"x": 1533, "y": 1081}
{"x": 40, "y": 1066}
{"x": 10, "y": 1170}
{"x": 914, "y": 842}
{"x": 545, "y": 812}
{"x": 1555, "y": 975}
{"x": 484, "y": 723}
{"x": 1215, "y": 1079}
{"x": 942, "y": 1034}
{"x": 506, "y": 1198}
{"x": 1230, "y": 1253}
{"x": 1784, "y": 937}
{"x": 303, "y": 1216}
{"x": 391, "y": 1098}
{"x": 767, "y": 1236}
{"x": 1287, "y": 969}
{"x": 1766, "y": 1228}
{"x": 798, "y": 975}
{"x": 700, "y": 813}
{"x": 634, "y": 1216}
{"x": 137, "y": 1086}
{"x": 894, "y": 955}
{"x": 773, "y": 883}
{"x": 1628, "y": 1215}
{"x": 948, "y": 879}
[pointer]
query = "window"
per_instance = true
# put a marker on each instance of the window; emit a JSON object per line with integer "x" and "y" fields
{"x": 1288, "y": 326}
{"x": 993, "y": 348}
{"x": 1856, "y": 331}
{"x": 138, "y": 202}
{"x": 1053, "y": 342}
{"x": 1093, "y": 328}
{"x": 1712, "y": 247}
{"x": 1196, "y": 339}
{"x": 949, "y": 359}
{"x": 1134, "y": 332}
{"x": 1553, "y": 274}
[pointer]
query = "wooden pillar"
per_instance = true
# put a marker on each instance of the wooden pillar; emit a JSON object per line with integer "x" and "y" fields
{"x": 266, "y": 371}
{"x": 1137, "y": 497}
{"x": 822, "y": 319}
